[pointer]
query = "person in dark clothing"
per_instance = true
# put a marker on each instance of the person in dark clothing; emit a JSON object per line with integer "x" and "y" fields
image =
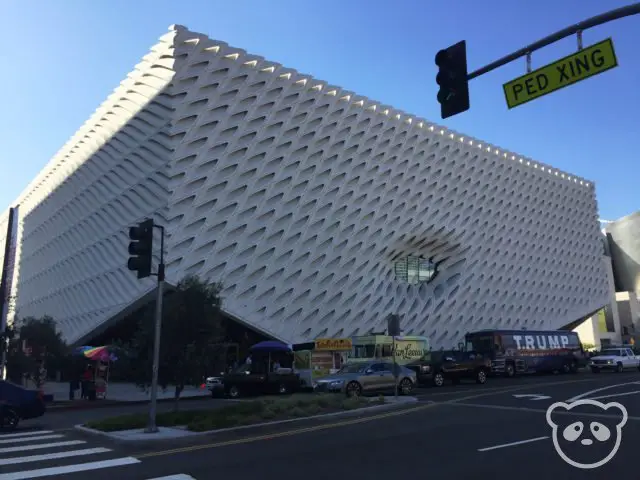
{"x": 87, "y": 379}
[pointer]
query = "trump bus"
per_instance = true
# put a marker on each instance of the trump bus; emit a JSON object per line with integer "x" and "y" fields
{"x": 514, "y": 352}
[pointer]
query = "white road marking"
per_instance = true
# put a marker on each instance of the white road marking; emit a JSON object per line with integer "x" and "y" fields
{"x": 40, "y": 446}
{"x": 80, "y": 467}
{"x": 512, "y": 444}
{"x": 615, "y": 395}
{"x": 532, "y": 396}
{"x": 180, "y": 476}
{"x": 608, "y": 387}
{"x": 25, "y": 434}
{"x": 54, "y": 456}
{"x": 534, "y": 410}
{"x": 31, "y": 438}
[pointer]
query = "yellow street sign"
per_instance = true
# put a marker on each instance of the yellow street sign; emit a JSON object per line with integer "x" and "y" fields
{"x": 586, "y": 63}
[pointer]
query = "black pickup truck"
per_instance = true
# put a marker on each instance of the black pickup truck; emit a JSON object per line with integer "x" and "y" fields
{"x": 438, "y": 367}
{"x": 247, "y": 382}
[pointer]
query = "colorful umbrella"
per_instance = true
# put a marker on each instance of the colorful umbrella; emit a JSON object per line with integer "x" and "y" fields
{"x": 96, "y": 353}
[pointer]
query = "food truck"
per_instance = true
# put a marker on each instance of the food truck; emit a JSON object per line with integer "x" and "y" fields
{"x": 407, "y": 348}
{"x": 321, "y": 357}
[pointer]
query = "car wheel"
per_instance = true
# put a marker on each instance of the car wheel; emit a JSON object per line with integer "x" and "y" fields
{"x": 509, "y": 370}
{"x": 619, "y": 368}
{"x": 10, "y": 419}
{"x": 438, "y": 379}
{"x": 406, "y": 386}
{"x": 481, "y": 377}
{"x": 233, "y": 392}
{"x": 282, "y": 389}
{"x": 353, "y": 389}
{"x": 595, "y": 370}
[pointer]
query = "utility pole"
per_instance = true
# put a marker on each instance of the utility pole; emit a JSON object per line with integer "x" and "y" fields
{"x": 141, "y": 251}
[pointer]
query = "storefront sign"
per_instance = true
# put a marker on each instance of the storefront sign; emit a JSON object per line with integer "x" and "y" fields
{"x": 333, "y": 344}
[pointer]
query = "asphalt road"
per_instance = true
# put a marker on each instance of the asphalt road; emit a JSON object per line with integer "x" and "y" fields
{"x": 467, "y": 431}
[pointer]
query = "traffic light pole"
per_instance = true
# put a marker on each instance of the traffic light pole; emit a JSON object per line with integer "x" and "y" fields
{"x": 578, "y": 28}
{"x": 152, "y": 427}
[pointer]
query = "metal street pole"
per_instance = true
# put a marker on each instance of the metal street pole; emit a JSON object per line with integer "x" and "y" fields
{"x": 578, "y": 28}
{"x": 395, "y": 369}
{"x": 152, "y": 427}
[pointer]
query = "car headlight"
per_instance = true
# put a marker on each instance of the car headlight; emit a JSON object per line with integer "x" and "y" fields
{"x": 425, "y": 368}
{"x": 609, "y": 361}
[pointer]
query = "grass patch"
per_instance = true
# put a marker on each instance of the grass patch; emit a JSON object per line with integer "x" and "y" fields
{"x": 241, "y": 413}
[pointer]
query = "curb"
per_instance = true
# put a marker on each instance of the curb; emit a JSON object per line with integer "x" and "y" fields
{"x": 70, "y": 405}
{"x": 114, "y": 436}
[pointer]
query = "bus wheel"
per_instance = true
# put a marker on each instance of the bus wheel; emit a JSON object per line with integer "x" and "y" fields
{"x": 566, "y": 368}
{"x": 574, "y": 367}
{"x": 509, "y": 370}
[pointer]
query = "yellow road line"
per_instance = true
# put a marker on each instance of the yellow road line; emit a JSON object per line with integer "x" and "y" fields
{"x": 284, "y": 434}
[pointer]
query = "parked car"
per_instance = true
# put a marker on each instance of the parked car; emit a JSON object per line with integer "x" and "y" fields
{"x": 215, "y": 385}
{"x": 355, "y": 379}
{"x": 615, "y": 359}
{"x": 438, "y": 367}
{"x": 19, "y": 403}
{"x": 249, "y": 380}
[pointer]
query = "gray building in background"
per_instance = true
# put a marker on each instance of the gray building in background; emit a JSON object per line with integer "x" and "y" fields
{"x": 623, "y": 237}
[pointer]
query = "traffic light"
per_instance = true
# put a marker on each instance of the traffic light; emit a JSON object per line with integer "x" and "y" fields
{"x": 141, "y": 248}
{"x": 453, "y": 95}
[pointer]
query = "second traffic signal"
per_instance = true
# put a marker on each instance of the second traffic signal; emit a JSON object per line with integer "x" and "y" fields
{"x": 141, "y": 248}
{"x": 453, "y": 95}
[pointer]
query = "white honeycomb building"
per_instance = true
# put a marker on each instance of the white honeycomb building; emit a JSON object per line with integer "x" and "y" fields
{"x": 300, "y": 196}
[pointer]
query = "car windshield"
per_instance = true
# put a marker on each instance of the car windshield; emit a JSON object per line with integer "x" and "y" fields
{"x": 353, "y": 368}
{"x": 612, "y": 353}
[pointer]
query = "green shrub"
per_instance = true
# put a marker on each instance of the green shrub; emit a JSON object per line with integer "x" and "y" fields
{"x": 313, "y": 409}
{"x": 297, "y": 412}
{"x": 351, "y": 403}
{"x": 268, "y": 414}
{"x": 240, "y": 413}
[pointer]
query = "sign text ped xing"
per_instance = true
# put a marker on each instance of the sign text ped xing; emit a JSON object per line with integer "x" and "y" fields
{"x": 586, "y": 63}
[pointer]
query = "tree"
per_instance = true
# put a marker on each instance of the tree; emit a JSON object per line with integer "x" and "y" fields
{"x": 192, "y": 337}
{"x": 45, "y": 344}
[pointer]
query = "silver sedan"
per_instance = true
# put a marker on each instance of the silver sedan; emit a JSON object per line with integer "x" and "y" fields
{"x": 356, "y": 379}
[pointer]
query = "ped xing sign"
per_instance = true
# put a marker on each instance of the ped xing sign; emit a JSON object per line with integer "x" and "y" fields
{"x": 586, "y": 63}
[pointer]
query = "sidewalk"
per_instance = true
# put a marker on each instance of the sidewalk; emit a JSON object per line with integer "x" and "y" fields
{"x": 123, "y": 392}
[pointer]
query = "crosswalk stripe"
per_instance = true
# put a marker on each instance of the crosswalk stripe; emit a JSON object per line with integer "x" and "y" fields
{"x": 40, "y": 446}
{"x": 180, "y": 476}
{"x": 25, "y": 434}
{"x": 31, "y": 439}
{"x": 54, "y": 456}
{"x": 79, "y": 467}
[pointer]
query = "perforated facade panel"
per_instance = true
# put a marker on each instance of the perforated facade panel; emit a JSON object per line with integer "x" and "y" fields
{"x": 299, "y": 196}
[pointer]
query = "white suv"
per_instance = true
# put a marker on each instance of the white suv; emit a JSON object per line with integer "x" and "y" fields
{"x": 616, "y": 359}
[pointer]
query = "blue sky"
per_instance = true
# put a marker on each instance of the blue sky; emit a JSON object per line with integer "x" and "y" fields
{"x": 61, "y": 59}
